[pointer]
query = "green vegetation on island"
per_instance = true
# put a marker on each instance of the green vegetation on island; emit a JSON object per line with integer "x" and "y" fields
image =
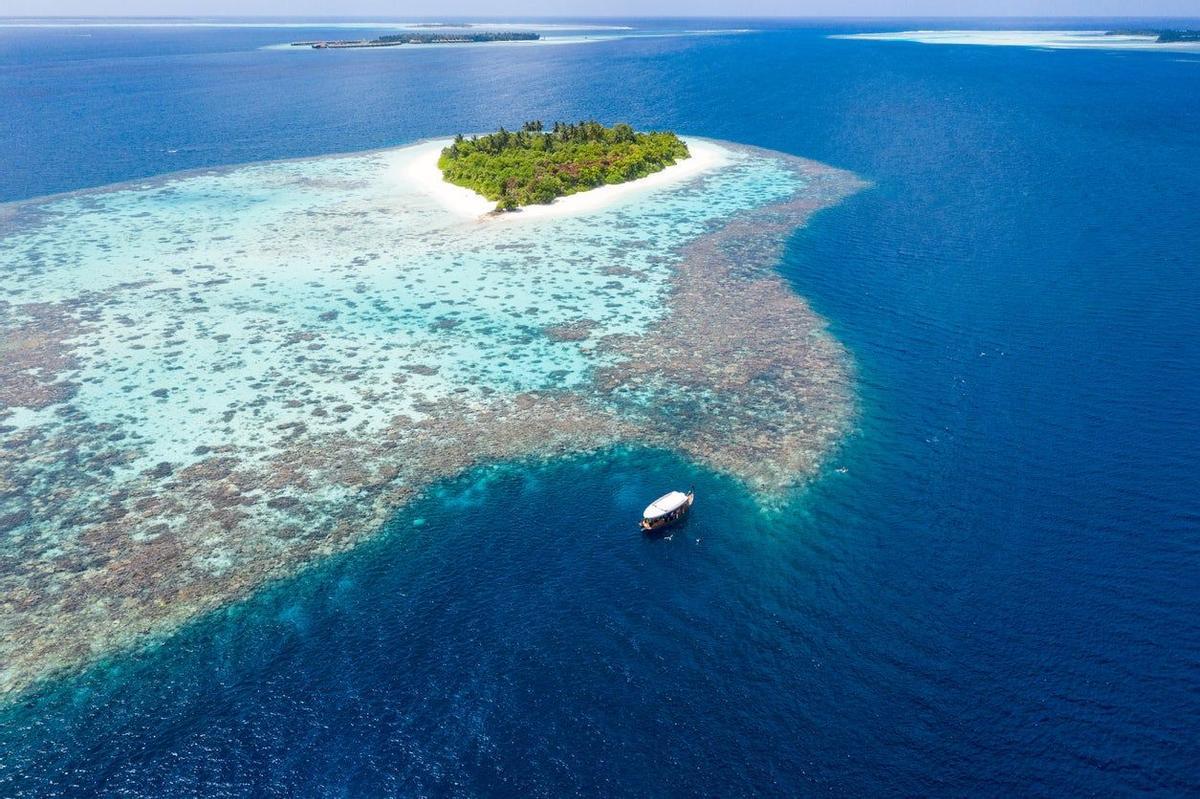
{"x": 1163, "y": 35}
{"x": 1171, "y": 36}
{"x": 397, "y": 39}
{"x": 533, "y": 165}
{"x": 458, "y": 38}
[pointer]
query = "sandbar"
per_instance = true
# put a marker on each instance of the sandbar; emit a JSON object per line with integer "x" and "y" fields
{"x": 1057, "y": 40}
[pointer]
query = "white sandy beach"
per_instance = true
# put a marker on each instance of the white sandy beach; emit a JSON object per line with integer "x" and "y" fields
{"x": 416, "y": 167}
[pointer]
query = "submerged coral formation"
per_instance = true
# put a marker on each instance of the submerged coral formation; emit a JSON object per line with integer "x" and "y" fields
{"x": 211, "y": 379}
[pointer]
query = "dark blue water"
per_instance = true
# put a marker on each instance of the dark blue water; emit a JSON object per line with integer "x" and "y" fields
{"x": 1001, "y": 593}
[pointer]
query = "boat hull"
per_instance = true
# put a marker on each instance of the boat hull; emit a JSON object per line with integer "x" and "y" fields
{"x": 670, "y": 520}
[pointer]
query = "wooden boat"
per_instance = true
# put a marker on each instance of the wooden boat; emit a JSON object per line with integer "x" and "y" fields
{"x": 667, "y": 510}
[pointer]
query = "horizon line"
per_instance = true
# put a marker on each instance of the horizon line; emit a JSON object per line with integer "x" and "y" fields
{"x": 480, "y": 18}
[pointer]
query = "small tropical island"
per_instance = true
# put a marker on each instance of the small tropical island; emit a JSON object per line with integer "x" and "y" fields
{"x": 535, "y": 166}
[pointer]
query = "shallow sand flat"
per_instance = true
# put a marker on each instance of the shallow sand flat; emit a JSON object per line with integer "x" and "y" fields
{"x": 1065, "y": 40}
{"x": 210, "y": 379}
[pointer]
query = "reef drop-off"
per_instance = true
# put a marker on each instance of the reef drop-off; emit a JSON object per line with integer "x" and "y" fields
{"x": 211, "y": 379}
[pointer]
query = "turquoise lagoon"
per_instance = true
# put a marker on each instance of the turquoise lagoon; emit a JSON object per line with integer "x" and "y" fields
{"x": 215, "y": 377}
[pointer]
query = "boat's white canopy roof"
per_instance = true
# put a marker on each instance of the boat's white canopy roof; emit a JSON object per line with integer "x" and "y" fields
{"x": 665, "y": 504}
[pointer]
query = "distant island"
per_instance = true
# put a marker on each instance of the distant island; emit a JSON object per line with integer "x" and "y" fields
{"x": 533, "y": 166}
{"x": 397, "y": 39}
{"x": 1163, "y": 36}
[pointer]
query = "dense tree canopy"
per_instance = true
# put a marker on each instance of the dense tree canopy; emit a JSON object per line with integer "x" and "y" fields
{"x": 533, "y": 165}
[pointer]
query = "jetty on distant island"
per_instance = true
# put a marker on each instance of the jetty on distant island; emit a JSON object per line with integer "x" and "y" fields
{"x": 397, "y": 39}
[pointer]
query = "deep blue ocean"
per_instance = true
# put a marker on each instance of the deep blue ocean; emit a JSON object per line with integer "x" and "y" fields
{"x": 999, "y": 595}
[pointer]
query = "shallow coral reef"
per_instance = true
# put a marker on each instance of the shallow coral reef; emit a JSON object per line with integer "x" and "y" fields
{"x": 211, "y": 379}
